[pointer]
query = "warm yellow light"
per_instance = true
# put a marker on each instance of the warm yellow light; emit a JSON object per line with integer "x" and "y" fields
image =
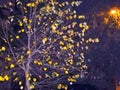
{"x": 114, "y": 14}
{"x": 113, "y": 11}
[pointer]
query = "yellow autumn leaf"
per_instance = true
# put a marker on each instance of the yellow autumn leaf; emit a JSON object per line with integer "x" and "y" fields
{"x": 12, "y": 65}
{"x": 61, "y": 43}
{"x": 21, "y": 57}
{"x": 73, "y": 2}
{"x": 4, "y": 40}
{"x": 78, "y": 44}
{"x": 55, "y": 64}
{"x": 3, "y": 48}
{"x": 17, "y": 37}
{"x": 56, "y": 74}
{"x": 6, "y": 77}
{"x": 37, "y": 2}
{"x": 64, "y": 37}
{"x": 44, "y": 40}
{"x": 20, "y": 23}
{"x": 84, "y": 66}
{"x": 86, "y": 47}
{"x": 22, "y": 30}
{"x": 90, "y": 39}
{"x": 54, "y": 31}
{"x": 96, "y": 40}
{"x": 16, "y": 79}
{"x": 6, "y": 67}
{"x": 45, "y": 52}
{"x": 50, "y": 62}
{"x": 14, "y": 73}
{"x": 32, "y": 87}
{"x": 8, "y": 59}
{"x": 58, "y": 32}
{"x": 35, "y": 61}
{"x": 86, "y": 27}
{"x": 45, "y": 69}
{"x": 39, "y": 63}
{"x": 32, "y": 4}
{"x": 11, "y": 39}
{"x": 28, "y": 4}
{"x": 66, "y": 72}
{"x": 29, "y": 78}
{"x": 25, "y": 19}
{"x": 66, "y": 87}
{"x": 70, "y": 17}
{"x": 40, "y": 76}
{"x": 53, "y": 26}
{"x": 19, "y": 61}
{"x": 59, "y": 86}
{"x": 1, "y": 78}
{"x": 10, "y": 3}
{"x": 80, "y": 25}
{"x": 28, "y": 52}
{"x": 75, "y": 16}
{"x": 30, "y": 21}
{"x": 67, "y": 18}
{"x": 64, "y": 48}
{"x": 34, "y": 79}
{"x": 70, "y": 45}
{"x": 20, "y": 82}
{"x": 81, "y": 16}
{"x": 38, "y": 23}
{"x": 29, "y": 27}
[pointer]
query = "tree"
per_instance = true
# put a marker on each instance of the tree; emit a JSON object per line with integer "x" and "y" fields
{"x": 43, "y": 43}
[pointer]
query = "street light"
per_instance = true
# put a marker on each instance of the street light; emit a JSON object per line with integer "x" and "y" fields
{"x": 113, "y": 11}
{"x": 114, "y": 14}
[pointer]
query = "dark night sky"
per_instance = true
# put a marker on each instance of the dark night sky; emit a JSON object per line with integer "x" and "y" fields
{"x": 96, "y": 5}
{"x": 89, "y": 5}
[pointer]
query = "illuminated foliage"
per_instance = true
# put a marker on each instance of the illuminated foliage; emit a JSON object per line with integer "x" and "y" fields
{"x": 48, "y": 46}
{"x": 111, "y": 17}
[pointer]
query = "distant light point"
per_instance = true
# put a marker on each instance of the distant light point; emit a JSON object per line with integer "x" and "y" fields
{"x": 71, "y": 83}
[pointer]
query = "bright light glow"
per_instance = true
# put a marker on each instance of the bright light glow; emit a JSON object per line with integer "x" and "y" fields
{"x": 71, "y": 83}
{"x": 114, "y": 14}
{"x": 113, "y": 11}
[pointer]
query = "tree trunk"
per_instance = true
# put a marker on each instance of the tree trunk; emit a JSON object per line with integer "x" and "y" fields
{"x": 27, "y": 84}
